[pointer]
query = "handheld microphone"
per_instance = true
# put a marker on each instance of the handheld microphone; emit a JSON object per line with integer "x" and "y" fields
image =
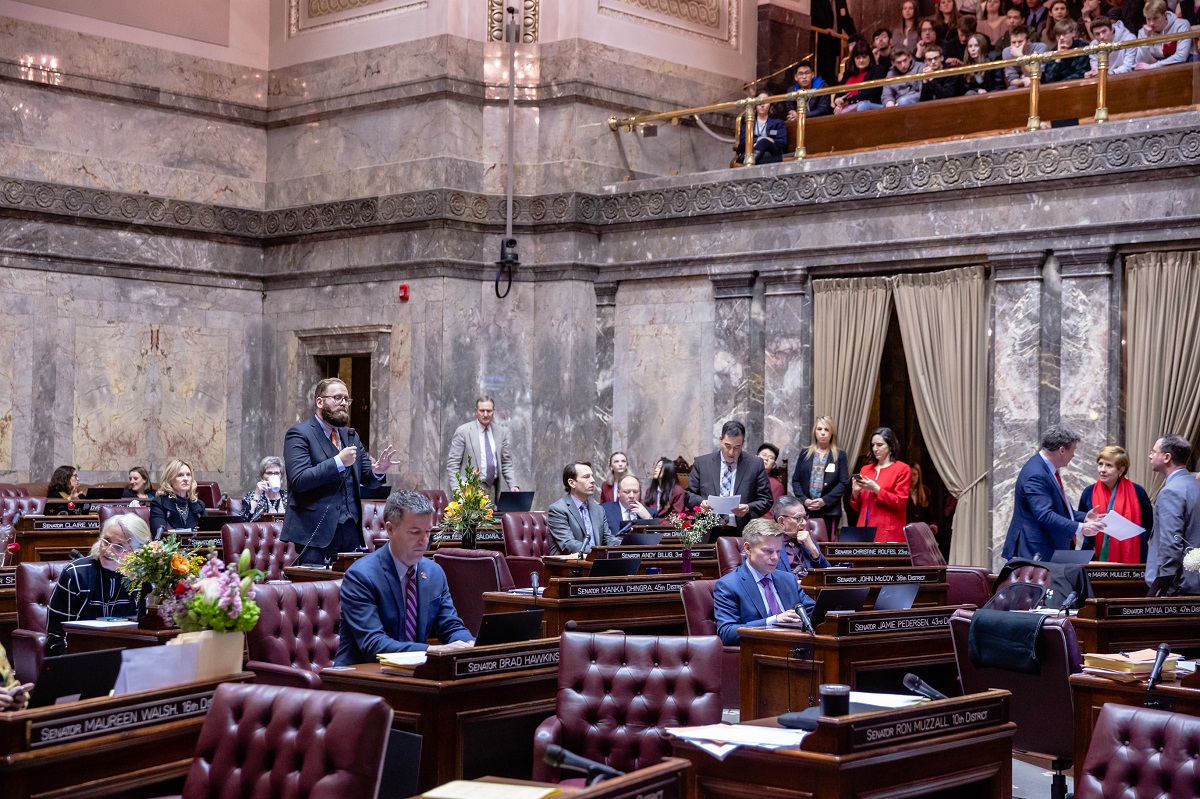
{"x": 804, "y": 618}
{"x": 1069, "y": 603}
{"x": 1156, "y": 673}
{"x": 918, "y": 686}
{"x": 558, "y": 757}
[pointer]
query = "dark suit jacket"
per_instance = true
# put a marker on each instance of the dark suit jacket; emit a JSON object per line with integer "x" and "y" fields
{"x": 567, "y": 533}
{"x": 837, "y": 481}
{"x": 315, "y": 485}
{"x": 738, "y": 603}
{"x": 750, "y": 483}
{"x": 165, "y": 516}
{"x": 373, "y": 610}
{"x": 612, "y": 514}
{"x": 1042, "y": 521}
{"x": 776, "y": 130}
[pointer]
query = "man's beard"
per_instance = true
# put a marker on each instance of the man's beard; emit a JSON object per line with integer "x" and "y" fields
{"x": 338, "y": 418}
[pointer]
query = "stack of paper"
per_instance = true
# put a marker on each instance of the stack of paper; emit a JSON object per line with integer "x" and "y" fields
{"x": 721, "y": 739}
{"x": 406, "y": 661}
{"x": 471, "y": 789}
{"x": 891, "y": 701}
{"x": 1129, "y": 666}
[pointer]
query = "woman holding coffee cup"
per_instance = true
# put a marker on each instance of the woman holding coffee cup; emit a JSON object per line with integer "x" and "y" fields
{"x": 268, "y": 496}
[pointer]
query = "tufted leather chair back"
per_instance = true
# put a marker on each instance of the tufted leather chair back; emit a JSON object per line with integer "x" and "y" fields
{"x": 440, "y": 500}
{"x": 234, "y": 506}
{"x": 819, "y": 530}
{"x": 28, "y": 506}
{"x": 616, "y": 694}
{"x": 923, "y": 547}
{"x": 35, "y": 585}
{"x": 106, "y": 512}
{"x": 267, "y": 551}
{"x": 968, "y": 585}
{"x": 526, "y": 534}
{"x": 729, "y": 553}
{"x": 1141, "y": 752}
{"x": 298, "y": 624}
{"x": 1041, "y": 705}
{"x": 10, "y": 490}
{"x": 372, "y": 522}
{"x": 261, "y": 741}
{"x": 700, "y": 614}
{"x": 1030, "y": 573}
{"x": 470, "y": 572}
{"x": 208, "y": 492}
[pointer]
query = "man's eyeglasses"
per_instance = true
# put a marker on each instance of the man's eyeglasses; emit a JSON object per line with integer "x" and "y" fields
{"x": 337, "y": 400}
{"x": 800, "y": 519}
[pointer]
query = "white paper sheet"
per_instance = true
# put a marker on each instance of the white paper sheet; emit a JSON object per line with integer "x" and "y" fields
{"x": 98, "y": 624}
{"x": 402, "y": 659}
{"x": 1118, "y": 527}
{"x": 723, "y": 506}
{"x": 468, "y": 789}
{"x": 151, "y": 667}
{"x": 886, "y": 700}
{"x": 740, "y": 734}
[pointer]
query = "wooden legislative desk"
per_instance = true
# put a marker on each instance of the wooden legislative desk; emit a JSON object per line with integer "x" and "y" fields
{"x": 1123, "y": 625}
{"x": 665, "y": 780}
{"x": 643, "y": 605}
{"x": 668, "y": 557}
{"x": 103, "y": 747}
{"x": 307, "y": 574}
{"x": 1089, "y": 694}
{"x": 91, "y": 639}
{"x": 476, "y": 709}
{"x": 931, "y": 581}
{"x": 868, "y": 650}
{"x": 1115, "y": 580}
{"x": 866, "y": 555}
{"x": 53, "y": 537}
{"x": 8, "y": 605}
{"x": 959, "y": 747}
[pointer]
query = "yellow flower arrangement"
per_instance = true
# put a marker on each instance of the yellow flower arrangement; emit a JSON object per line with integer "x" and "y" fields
{"x": 469, "y": 508}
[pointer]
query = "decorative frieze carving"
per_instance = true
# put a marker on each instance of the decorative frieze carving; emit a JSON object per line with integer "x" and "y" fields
{"x": 528, "y": 11}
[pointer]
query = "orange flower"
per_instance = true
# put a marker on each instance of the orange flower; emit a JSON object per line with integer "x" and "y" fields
{"x": 180, "y": 564}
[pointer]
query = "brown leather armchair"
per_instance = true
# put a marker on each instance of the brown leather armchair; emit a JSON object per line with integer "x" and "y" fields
{"x": 617, "y": 693}
{"x": 1041, "y": 703}
{"x": 923, "y": 547}
{"x": 698, "y": 611}
{"x": 208, "y": 492}
{"x": 267, "y": 552}
{"x": 372, "y": 522}
{"x": 526, "y": 542}
{"x": 106, "y": 512}
{"x": 11, "y": 490}
{"x": 1031, "y": 574}
{"x": 439, "y": 499}
{"x": 1141, "y": 752}
{"x": 729, "y": 553}
{"x": 28, "y": 506}
{"x": 35, "y": 585}
{"x": 297, "y": 632}
{"x": 470, "y": 572}
{"x": 968, "y": 585}
{"x": 820, "y": 531}
{"x": 320, "y": 744}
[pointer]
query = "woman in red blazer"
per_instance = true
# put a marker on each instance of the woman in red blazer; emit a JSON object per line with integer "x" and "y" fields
{"x": 880, "y": 490}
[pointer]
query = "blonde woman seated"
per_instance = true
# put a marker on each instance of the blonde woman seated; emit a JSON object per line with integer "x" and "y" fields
{"x": 176, "y": 507}
{"x": 90, "y": 588}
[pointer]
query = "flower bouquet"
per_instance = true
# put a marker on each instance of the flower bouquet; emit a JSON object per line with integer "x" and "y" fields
{"x": 692, "y": 528}
{"x": 1191, "y": 560}
{"x": 162, "y": 565}
{"x": 469, "y": 509}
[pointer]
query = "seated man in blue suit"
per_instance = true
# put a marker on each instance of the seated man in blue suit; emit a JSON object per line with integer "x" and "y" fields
{"x": 380, "y": 592}
{"x": 1043, "y": 517}
{"x": 627, "y": 507}
{"x": 755, "y": 594}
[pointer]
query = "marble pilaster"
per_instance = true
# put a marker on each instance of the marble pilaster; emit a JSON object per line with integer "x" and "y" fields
{"x": 737, "y": 375}
{"x": 787, "y": 386}
{"x": 606, "y": 317}
{"x": 1050, "y": 345}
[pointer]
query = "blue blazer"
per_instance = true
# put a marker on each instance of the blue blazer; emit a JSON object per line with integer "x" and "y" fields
{"x": 738, "y": 603}
{"x": 373, "y": 610}
{"x": 1042, "y": 521}
{"x": 612, "y": 512}
{"x": 315, "y": 485}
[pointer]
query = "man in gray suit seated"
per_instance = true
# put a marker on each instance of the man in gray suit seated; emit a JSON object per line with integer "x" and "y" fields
{"x": 487, "y": 446}
{"x": 576, "y": 522}
{"x": 1176, "y": 520}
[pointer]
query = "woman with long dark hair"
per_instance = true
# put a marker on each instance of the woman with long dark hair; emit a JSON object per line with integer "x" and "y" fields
{"x": 880, "y": 490}
{"x": 664, "y": 495}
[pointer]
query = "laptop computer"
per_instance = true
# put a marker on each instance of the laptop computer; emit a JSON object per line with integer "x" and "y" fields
{"x": 642, "y": 539}
{"x": 514, "y": 502}
{"x": 69, "y": 678}
{"x": 214, "y": 523}
{"x": 508, "y": 628}
{"x": 615, "y": 567}
{"x": 856, "y": 535}
{"x": 1072, "y": 556}
{"x": 103, "y": 493}
{"x": 831, "y": 600}
{"x": 896, "y": 597}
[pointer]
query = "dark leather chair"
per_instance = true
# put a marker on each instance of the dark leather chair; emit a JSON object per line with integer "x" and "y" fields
{"x": 267, "y": 552}
{"x": 106, "y": 512}
{"x": 1031, "y": 574}
{"x": 923, "y": 547}
{"x": 617, "y": 693}
{"x": 1141, "y": 752}
{"x": 470, "y": 572}
{"x": 701, "y": 620}
{"x": 820, "y": 530}
{"x": 297, "y": 632}
{"x": 35, "y": 585}
{"x": 729, "y": 553}
{"x": 28, "y": 506}
{"x": 10, "y": 490}
{"x": 968, "y": 585}
{"x": 258, "y": 740}
{"x": 233, "y": 506}
{"x": 208, "y": 492}
{"x": 1041, "y": 703}
{"x": 439, "y": 499}
{"x": 372, "y": 522}
{"x": 526, "y": 542}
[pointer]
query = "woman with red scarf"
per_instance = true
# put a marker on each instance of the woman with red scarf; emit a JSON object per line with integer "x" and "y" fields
{"x": 1116, "y": 492}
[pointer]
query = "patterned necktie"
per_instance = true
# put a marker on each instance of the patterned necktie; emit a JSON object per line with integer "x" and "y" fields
{"x": 489, "y": 474}
{"x": 337, "y": 444}
{"x": 726, "y": 479}
{"x": 773, "y": 607}
{"x": 410, "y": 606}
{"x": 589, "y": 532}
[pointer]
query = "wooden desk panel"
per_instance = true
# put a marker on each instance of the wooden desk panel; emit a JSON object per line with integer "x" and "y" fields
{"x": 869, "y": 651}
{"x": 476, "y": 709}
{"x": 665, "y": 780}
{"x": 1118, "y": 625}
{"x": 8, "y": 606}
{"x": 1116, "y": 580}
{"x": 667, "y": 557}
{"x": 53, "y": 537}
{"x": 931, "y": 580}
{"x": 306, "y": 574}
{"x": 93, "y": 639}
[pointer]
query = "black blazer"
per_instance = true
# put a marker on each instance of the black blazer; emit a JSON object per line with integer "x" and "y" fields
{"x": 315, "y": 485}
{"x": 750, "y": 483}
{"x": 165, "y": 516}
{"x": 836, "y": 483}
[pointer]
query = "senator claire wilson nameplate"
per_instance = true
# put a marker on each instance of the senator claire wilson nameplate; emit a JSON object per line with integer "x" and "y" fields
{"x": 59, "y": 524}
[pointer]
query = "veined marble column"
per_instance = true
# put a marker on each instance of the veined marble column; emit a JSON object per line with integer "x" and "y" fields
{"x": 1015, "y": 330}
{"x": 787, "y": 386}
{"x": 606, "y": 317}
{"x": 738, "y": 364}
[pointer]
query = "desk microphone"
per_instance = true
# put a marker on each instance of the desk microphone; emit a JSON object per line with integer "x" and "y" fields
{"x": 74, "y": 554}
{"x": 558, "y": 757}
{"x": 533, "y": 582}
{"x": 804, "y": 618}
{"x": 1156, "y": 673}
{"x": 918, "y": 686}
{"x": 1069, "y": 603}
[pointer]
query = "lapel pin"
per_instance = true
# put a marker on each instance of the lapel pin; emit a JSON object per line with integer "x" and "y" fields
{"x": 423, "y": 575}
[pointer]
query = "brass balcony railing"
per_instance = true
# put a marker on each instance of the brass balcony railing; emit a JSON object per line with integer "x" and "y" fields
{"x": 746, "y": 106}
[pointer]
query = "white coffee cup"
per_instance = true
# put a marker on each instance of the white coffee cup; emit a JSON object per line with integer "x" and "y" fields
{"x": 273, "y": 481}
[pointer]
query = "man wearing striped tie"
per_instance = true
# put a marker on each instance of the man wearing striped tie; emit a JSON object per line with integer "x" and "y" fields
{"x": 729, "y": 472}
{"x": 380, "y": 591}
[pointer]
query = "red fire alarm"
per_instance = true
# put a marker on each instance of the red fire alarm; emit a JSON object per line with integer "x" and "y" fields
{"x": 403, "y": 292}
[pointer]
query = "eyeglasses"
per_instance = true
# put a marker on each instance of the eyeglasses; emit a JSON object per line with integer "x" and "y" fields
{"x": 114, "y": 545}
{"x": 337, "y": 400}
{"x": 800, "y": 518}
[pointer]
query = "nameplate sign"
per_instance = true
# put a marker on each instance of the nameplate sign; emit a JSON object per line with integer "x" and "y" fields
{"x": 8, "y": 577}
{"x": 199, "y": 541}
{"x": 865, "y": 550}
{"x": 481, "y": 535}
{"x": 904, "y": 621}
{"x": 1138, "y": 574}
{"x": 660, "y": 553}
{"x": 504, "y": 664}
{"x": 844, "y": 577}
{"x": 63, "y": 524}
{"x": 1155, "y": 610}
{"x": 591, "y": 590}
{"x": 105, "y": 722}
{"x": 869, "y": 735}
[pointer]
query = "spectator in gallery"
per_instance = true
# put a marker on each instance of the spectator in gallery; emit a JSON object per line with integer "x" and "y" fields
{"x": 902, "y": 93}
{"x": 821, "y": 478}
{"x": 907, "y": 32}
{"x": 1114, "y": 491}
{"x": 947, "y": 15}
{"x": 1012, "y": 18}
{"x": 1058, "y": 12}
{"x": 769, "y": 135}
{"x": 1105, "y": 30}
{"x": 819, "y": 106}
{"x": 618, "y": 467}
{"x": 1035, "y": 17}
{"x": 979, "y": 51}
{"x": 880, "y": 491}
{"x": 1017, "y": 77}
{"x": 881, "y": 48}
{"x": 1065, "y": 68}
{"x": 940, "y": 88}
{"x": 1089, "y": 12}
{"x": 176, "y": 506}
{"x": 769, "y": 453}
{"x": 862, "y": 67}
{"x": 664, "y": 495}
{"x": 268, "y": 495}
{"x": 993, "y": 19}
{"x": 1160, "y": 22}
{"x": 64, "y": 484}
{"x": 954, "y": 48}
{"x": 931, "y": 33}
{"x": 139, "y": 487}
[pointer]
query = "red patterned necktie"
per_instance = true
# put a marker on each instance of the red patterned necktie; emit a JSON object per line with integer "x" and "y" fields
{"x": 337, "y": 444}
{"x": 410, "y": 606}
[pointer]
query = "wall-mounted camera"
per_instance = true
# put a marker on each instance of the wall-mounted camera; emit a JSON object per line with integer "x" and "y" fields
{"x": 508, "y": 251}
{"x": 504, "y": 267}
